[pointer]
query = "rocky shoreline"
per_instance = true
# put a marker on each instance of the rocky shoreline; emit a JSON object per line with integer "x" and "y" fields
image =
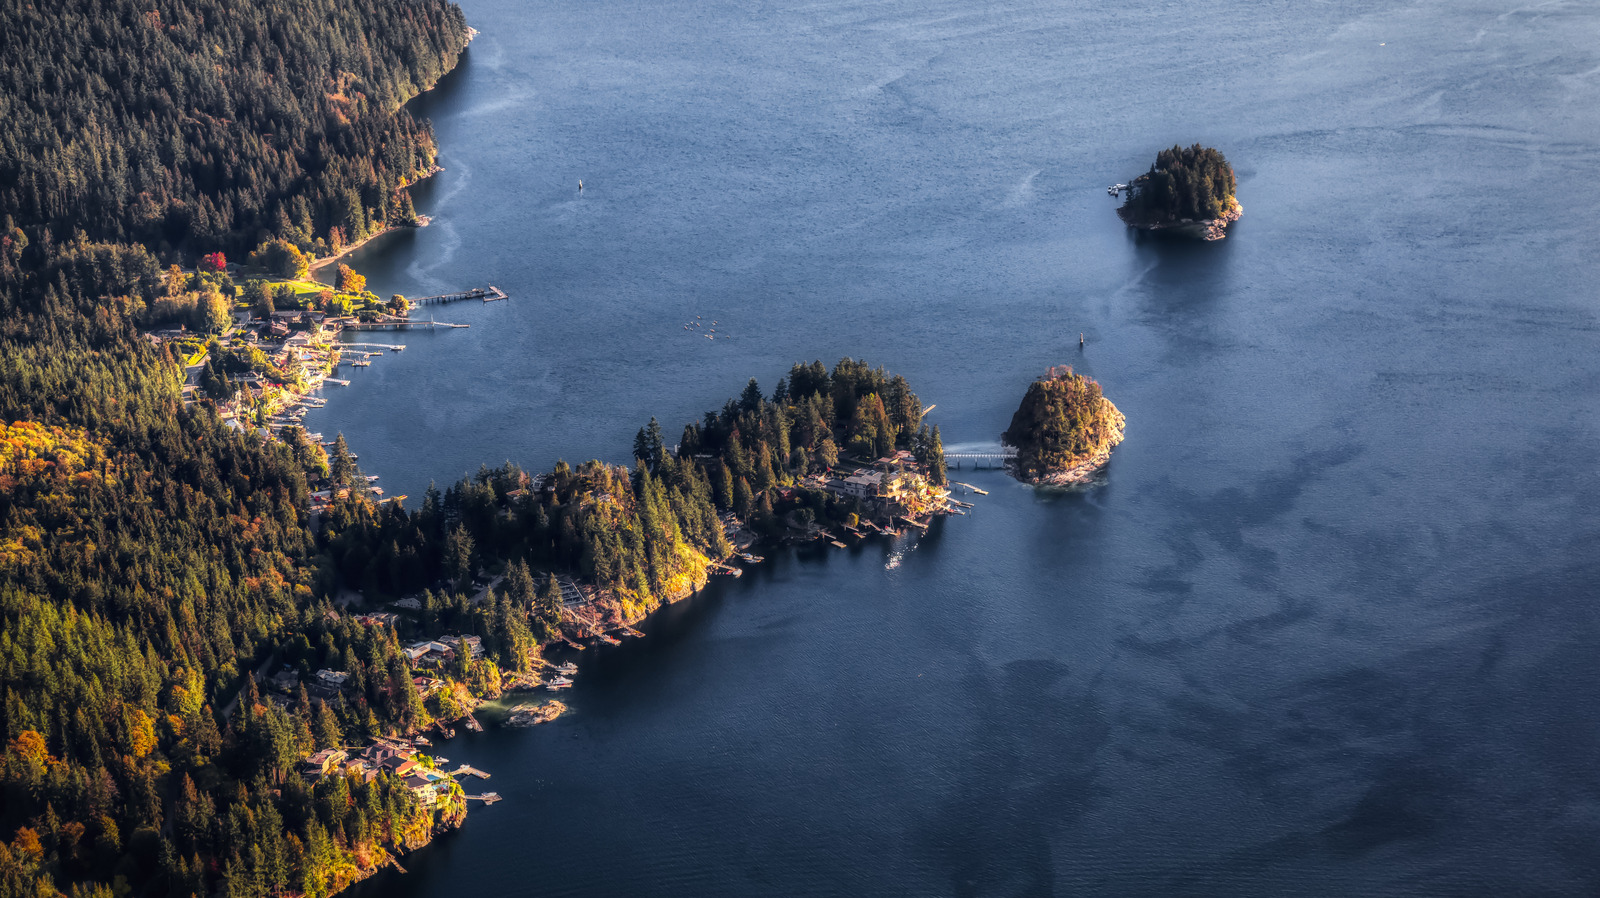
{"x": 1083, "y": 472}
{"x": 1204, "y": 229}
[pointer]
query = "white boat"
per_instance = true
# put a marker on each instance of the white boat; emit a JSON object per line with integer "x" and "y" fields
{"x": 559, "y": 683}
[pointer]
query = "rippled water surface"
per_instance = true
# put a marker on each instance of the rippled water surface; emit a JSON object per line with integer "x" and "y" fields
{"x": 1328, "y": 629}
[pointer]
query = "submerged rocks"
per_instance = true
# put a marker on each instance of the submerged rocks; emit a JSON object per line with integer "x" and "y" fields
{"x": 533, "y": 715}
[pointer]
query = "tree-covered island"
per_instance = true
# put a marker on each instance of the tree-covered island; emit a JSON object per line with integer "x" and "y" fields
{"x": 1064, "y": 430}
{"x": 1189, "y": 190}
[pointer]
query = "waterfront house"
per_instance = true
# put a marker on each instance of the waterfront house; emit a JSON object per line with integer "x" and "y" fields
{"x": 426, "y": 791}
{"x": 399, "y": 765}
{"x": 862, "y": 485}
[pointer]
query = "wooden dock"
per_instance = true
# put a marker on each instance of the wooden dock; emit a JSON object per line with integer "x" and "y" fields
{"x": 486, "y": 798}
{"x": 396, "y": 324}
{"x": 490, "y": 293}
{"x": 467, "y": 770}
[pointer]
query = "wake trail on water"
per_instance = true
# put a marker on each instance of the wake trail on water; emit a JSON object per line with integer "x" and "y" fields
{"x": 1022, "y": 193}
{"x": 451, "y": 242}
{"x": 1136, "y": 280}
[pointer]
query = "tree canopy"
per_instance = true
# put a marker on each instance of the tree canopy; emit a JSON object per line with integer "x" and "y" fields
{"x": 1184, "y": 183}
{"x": 210, "y": 124}
{"x": 1063, "y": 421}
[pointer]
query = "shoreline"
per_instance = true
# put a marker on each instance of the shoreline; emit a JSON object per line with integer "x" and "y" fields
{"x": 1206, "y": 229}
{"x": 422, "y": 221}
{"x": 390, "y": 853}
{"x": 318, "y": 265}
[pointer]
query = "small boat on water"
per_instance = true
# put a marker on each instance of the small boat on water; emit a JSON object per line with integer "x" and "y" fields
{"x": 421, "y": 742}
{"x": 608, "y": 640}
{"x": 559, "y": 683}
{"x": 568, "y": 668}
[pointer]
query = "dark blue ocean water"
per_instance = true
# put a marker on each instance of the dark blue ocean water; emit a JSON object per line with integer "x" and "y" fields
{"x": 1329, "y": 628}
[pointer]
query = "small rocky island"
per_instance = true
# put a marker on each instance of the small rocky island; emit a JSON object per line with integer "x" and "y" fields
{"x": 1063, "y": 431}
{"x": 1188, "y": 191}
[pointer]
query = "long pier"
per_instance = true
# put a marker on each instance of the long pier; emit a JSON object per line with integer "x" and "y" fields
{"x": 392, "y": 347}
{"x": 487, "y": 294}
{"x": 396, "y": 324}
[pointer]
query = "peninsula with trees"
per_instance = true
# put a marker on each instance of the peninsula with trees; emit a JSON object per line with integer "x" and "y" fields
{"x": 1187, "y": 191}
{"x": 1063, "y": 431}
{"x": 827, "y": 456}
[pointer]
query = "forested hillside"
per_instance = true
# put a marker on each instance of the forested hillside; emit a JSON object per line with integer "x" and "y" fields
{"x": 150, "y": 557}
{"x": 212, "y": 124}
